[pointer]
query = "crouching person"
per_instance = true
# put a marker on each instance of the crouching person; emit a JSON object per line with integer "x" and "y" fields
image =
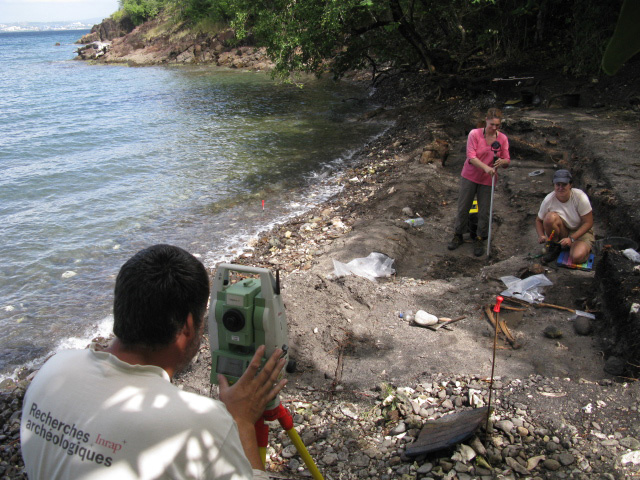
{"x": 115, "y": 413}
{"x": 566, "y": 212}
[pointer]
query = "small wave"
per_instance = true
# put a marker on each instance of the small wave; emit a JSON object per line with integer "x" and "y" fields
{"x": 321, "y": 185}
{"x": 103, "y": 329}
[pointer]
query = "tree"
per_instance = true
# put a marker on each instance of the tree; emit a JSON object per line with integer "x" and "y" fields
{"x": 139, "y": 11}
{"x": 387, "y": 36}
{"x": 193, "y": 11}
{"x": 625, "y": 41}
{"x": 391, "y": 35}
{"x": 319, "y": 35}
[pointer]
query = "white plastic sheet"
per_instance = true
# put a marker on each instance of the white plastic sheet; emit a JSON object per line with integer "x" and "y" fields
{"x": 528, "y": 289}
{"x": 632, "y": 255}
{"x": 374, "y": 266}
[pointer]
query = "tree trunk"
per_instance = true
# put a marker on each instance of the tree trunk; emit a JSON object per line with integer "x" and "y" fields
{"x": 409, "y": 33}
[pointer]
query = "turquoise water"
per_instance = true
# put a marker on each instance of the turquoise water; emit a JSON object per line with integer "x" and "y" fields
{"x": 99, "y": 161}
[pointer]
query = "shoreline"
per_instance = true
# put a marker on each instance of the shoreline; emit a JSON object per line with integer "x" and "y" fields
{"x": 246, "y": 248}
{"x": 106, "y": 244}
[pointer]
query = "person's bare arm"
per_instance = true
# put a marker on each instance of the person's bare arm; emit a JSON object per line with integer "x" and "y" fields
{"x": 247, "y": 399}
{"x": 586, "y": 222}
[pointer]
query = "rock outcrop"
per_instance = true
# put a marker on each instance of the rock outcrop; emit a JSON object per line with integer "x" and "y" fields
{"x": 160, "y": 42}
{"x": 107, "y": 30}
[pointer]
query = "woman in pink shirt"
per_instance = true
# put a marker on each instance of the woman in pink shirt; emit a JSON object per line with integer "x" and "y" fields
{"x": 484, "y": 144}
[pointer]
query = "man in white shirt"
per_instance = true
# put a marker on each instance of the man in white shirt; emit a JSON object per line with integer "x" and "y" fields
{"x": 567, "y": 214}
{"x": 115, "y": 414}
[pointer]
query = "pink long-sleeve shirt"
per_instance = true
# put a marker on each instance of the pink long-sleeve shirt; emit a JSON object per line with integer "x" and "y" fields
{"x": 477, "y": 148}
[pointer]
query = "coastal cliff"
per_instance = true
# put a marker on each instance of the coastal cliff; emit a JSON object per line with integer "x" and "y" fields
{"x": 107, "y": 30}
{"x": 162, "y": 42}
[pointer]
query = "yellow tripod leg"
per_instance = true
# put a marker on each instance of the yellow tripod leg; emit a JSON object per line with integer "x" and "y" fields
{"x": 262, "y": 436}
{"x": 302, "y": 451}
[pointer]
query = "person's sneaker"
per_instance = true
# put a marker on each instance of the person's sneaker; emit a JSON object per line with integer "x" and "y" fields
{"x": 478, "y": 246}
{"x": 455, "y": 242}
{"x": 553, "y": 250}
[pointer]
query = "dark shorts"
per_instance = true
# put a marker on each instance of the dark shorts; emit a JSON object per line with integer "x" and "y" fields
{"x": 587, "y": 238}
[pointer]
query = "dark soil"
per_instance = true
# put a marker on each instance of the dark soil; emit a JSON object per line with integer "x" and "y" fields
{"x": 346, "y": 333}
{"x": 363, "y": 316}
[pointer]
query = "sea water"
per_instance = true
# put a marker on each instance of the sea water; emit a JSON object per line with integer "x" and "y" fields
{"x": 99, "y": 161}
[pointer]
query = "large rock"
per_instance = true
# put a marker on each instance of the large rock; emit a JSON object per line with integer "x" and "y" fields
{"x": 93, "y": 50}
{"x": 107, "y": 30}
{"x": 90, "y": 37}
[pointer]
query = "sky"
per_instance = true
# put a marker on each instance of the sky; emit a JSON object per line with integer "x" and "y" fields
{"x": 13, "y": 11}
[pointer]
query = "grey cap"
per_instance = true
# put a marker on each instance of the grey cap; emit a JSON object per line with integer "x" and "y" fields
{"x": 562, "y": 176}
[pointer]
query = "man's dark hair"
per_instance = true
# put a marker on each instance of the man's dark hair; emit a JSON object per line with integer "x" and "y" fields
{"x": 155, "y": 291}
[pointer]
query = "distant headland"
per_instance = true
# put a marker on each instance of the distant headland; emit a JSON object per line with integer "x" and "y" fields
{"x": 48, "y": 26}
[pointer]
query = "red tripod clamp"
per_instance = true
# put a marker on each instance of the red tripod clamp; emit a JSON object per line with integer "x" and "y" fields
{"x": 279, "y": 413}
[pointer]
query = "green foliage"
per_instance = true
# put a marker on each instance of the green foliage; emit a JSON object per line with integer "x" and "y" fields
{"x": 386, "y": 36}
{"x": 390, "y": 35}
{"x": 588, "y": 32}
{"x": 318, "y": 35}
{"x": 118, "y": 15}
{"x": 625, "y": 42}
{"x": 197, "y": 11}
{"x": 299, "y": 36}
{"x": 139, "y": 11}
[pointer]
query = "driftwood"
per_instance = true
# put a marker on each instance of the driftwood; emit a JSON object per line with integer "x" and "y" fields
{"x": 514, "y": 309}
{"x": 517, "y": 301}
{"x": 557, "y": 307}
{"x": 502, "y": 326}
{"x": 537, "y": 305}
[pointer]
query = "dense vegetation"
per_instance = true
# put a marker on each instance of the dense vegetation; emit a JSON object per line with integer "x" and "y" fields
{"x": 388, "y": 36}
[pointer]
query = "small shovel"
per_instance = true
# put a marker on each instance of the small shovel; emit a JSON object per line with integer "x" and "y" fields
{"x": 436, "y": 327}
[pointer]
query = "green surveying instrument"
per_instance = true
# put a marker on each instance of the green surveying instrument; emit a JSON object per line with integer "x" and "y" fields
{"x": 244, "y": 314}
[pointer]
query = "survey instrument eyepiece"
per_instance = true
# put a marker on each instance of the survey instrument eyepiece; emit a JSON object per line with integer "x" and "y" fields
{"x": 233, "y": 320}
{"x": 495, "y": 147}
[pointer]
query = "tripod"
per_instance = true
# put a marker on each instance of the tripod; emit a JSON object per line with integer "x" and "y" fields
{"x": 283, "y": 416}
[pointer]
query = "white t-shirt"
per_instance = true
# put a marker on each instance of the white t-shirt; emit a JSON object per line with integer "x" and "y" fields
{"x": 89, "y": 415}
{"x": 577, "y": 206}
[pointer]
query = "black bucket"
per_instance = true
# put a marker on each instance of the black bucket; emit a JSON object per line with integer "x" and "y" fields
{"x": 527, "y": 97}
{"x": 618, "y": 243}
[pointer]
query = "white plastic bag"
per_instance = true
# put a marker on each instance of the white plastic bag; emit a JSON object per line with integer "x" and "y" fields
{"x": 374, "y": 266}
{"x": 528, "y": 289}
{"x": 632, "y": 255}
